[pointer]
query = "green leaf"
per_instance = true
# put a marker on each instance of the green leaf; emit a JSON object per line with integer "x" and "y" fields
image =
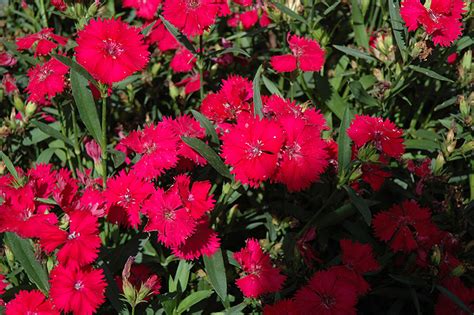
{"x": 181, "y": 38}
{"x": 331, "y": 8}
{"x": 360, "y": 205}
{"x": 430, "y": 73}
{"x": 361, "y": 94}
{"x": 118, "y": 157}
{"x": 85, "y": 105}
{"x": 271, "y": 87}
{"x": 234, "y": 50}
{"x": 192, "y": 299}
{"x": 397, "y": 27}
{"x": 454, "y": 298}
{"x": 181, "y": 277}
{"x": 289, "y": 12}
{"x": 24, "y": 254}
{"x": 336, "y": 217}
{"x": 52, "y": 132}
{"x": 344, "y": 143}
{"x": 210, "y": 155}
{"x": 358, "y": 25}
{"x": 336, "y": 104}
{"x": 45, "y": 155}
{"x": 421, "y": 144}
{"x": 257, "y": 99}
{"x": 146, "y": 31}
{"x": 216, "y": 272}
{"x": 206, "y": 124}
{"x": 76, "y": 67}
{"x": 11, "y": 47}
{"x": 10, "y": 166}
{"x": 354, "y": 52}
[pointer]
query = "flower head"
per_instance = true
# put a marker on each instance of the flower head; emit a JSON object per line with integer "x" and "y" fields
{"x": 30, "y": 302}
{"x": 45, "y": 41}
{"x": 46, "y": 80}
{"x": 111, "y": 50}
{"x": 203, "y": 241}
{"x": 145, "y": 8}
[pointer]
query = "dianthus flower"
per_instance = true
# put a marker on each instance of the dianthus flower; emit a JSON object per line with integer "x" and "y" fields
{"x": 158, "y": 147}
{"x": 203, "y": 241}
{"x": 125, "y": 196}
{"x": 45, "y": 41}
{"x": 192, "y": 17}
{"x": 46, "y": 81}
{"x": 306, "y": 55}
{"x": 442, "y": 20}
{"x": 139, "y": 275}
{"x": 30, "y": 302}
{"x": 234, "y": 97}
{"x": 445, "y": 304}
{"x": 402, "y": 225}
{"x": 163, "y": 39}
{"x": 326, "y": 294}
{"x": 183, "y": 61}
{"x": 111, "y": 50}
{"x": 195, "y": 197}
{"x": 382, "y": 134}
{"x": 7, "y": 59}
{"x": 303, "y": 157}
{"x": 145, "y": 8}
{"x": 282, "y": 307}
{"x": 251, "y": 147}
{"x": 9, "y": 84}
{"x": 77, "y": 290}
{"x": 80, "y": 245}
{"x": 260, "y": 276}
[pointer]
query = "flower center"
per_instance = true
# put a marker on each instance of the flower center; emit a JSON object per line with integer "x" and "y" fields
{"x": 170, "y": 215}
{"x": 254, "y": 149}
{"x": 73, "y": 235}
{"x": 112, "y": 48}
{"x": 193, "y": 4}
{"x": 44, "y": 74}
{"x": 79, "y": 285}
{"x": 297, "y": 51}
{"x": 127, "y": 198}
{"x": 294, "y": 151}
{"x": 433, "y": 16}
{"x": 327, "y": 301}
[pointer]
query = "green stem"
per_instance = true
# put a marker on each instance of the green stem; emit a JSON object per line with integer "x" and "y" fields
{"x": 42, "y": 11}
{"x": 201, "y": 68}
{"x": 133, "y": 310}
{"x": 103, "y": 143}
{"x": 77, "y": 148}
{"x": 306, "y": 90}
{"x": 471, "y": 180}
{"x": 62, "y": 121}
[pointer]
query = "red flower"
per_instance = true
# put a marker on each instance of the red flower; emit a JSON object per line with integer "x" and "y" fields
{"x": 3, "y": 284}
{"x": 452, "y": 58}
{"x": 282, "y": 307}
{"x": 125, "y": 196}
{"x": 80, "y": 291}
{"x": 251, "y": 147}
{"x": 145, "y": 8}
{"x": 167, "y": 215}
{"x": 249, "y": 18}
{"x": 46, "y": 80}
{"x": 192, "y": 17}
{"x": 306, "y": 55}
{"x": 59, "y": 4}
{"x": 326, "y": 294}
{"x": 111, "y": 50}
{"x": 139, "y": 275}
{"x": 183, "y": 61}
{"x": 162, "y": 37}
{"x": 402, "y": 225}
{"x": 158, "y": 148}
{"x": 303, "y": 156}
{"x": 234, "y": 97}
{"x": 194, "y": 197}
{"x": 80, "y": 245}
{"x": 442, "y": 20}
{"x": 374, "y": 175}
{"x": 445, "y": 305}
{"x": 203, "y": 241}
{"x": 383, "y": 134}
{"x": 45, "y": 41}
{"x": 260, "y": 276}
{"x": 192, "y": 83}
{"x": 7, "y": 59}
{"x": 9, "y": 84}
{"x": 30, "y": 302}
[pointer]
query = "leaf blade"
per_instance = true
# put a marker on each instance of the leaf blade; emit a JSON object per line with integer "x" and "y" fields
{"x": 216, "y": 272}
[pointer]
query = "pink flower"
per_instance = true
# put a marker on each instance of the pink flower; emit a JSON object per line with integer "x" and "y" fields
{"x": 7, "y": 59}
{"x": 306, "y": 55}
{"x": 249, "y": 18}
{"x": 30, "y": 302}
{"x": 251, "y": 147}
{"x": 382, "y": 134}
{"x": 195, "y": 197}
{"x": 442, "y": 20}
{"x": 260, "y": 276}
{"x": 183, "y": 61}
{"x": 162, "y": 37}
{"x": 9, "y": 84}
{"x": 46, "y": 81}
{"x": 94, "y": 151}
{"x": 59, "y": 4}
{"x": 145, "y": 8}
{"x": 192, "y": 83}
{"x": 111, "y": 50}
{"x": 203, "y": 241}
{"x": 452, "y": 58}
{"x": 45, "y": 41}
{"x": 192, "y": 17}
{"x": 76, "y": 290}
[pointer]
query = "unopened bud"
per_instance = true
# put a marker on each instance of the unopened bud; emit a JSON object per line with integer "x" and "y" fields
{"x": 459, "y": 270}
{"x": 439, "y": 163}
{"x": 436, "y": 256}
{"x": 30, "y": 109}
{"x": 18, "y": 102}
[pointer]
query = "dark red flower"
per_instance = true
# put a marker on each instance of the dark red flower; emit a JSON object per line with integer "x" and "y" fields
{"x": 445, "y": 305}
{"x": 203, "y": 241}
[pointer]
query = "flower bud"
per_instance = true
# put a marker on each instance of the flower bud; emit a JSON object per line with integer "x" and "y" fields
{"x": 30, "y": 109}
{"x": 18, "y": 102}
{"x": 436, "y": 255}
{"x": 459, "y": 270}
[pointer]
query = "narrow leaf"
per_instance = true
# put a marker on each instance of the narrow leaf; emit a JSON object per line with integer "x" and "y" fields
{"x": 76, "y": 67}
{"x": 210, "y": 155}
{"x": 216, "y": 272}
{"x": 180, "y": 37}
{"x": 206, "y": 124}
{"x": 193, "y": 299}
{"x": 360, "y": 204}
{"x": 397, "y": 27}
{"x": 52, "y": 132}
{"x": 257, "y": 99}
{"x": 289, "y": 12}
{"x": 361, "y": 94}
{"x": 271, "y": 87}
{"x": 233, "y": 50}
{"x": 24, "y": 254}
{"x": 9, "y": 165}
{"x": 429, "y": 73}
{"x": 344, "y": 142}
{"x": 146, "y": 31}
{"x": 454, "y": 298}
{"x": 85, "y": 105}
{"x": 354, "y": 52}
{"x": 358, "y": 25}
